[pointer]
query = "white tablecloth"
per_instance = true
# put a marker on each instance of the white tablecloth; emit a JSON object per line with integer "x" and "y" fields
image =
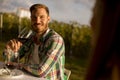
{"x": 24, "y": 76}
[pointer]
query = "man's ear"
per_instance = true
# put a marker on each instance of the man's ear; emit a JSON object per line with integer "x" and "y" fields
{"x": 48, "y": 18}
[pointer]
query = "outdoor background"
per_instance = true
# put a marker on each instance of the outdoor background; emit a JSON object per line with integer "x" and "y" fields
{"x": 70, "y": 18}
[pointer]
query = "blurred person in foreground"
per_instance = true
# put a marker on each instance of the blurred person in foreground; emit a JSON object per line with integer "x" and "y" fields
{"x": 44, "y": 50}
{"x": 105, "y": 60}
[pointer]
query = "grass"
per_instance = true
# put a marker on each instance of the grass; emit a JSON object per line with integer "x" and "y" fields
{"x": 76, "y": 65}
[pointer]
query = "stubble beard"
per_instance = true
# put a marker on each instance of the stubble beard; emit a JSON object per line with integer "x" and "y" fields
{"x": 40, "y": 32}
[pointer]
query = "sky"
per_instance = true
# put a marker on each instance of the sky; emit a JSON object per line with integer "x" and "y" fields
{"x": 60, "y": 10}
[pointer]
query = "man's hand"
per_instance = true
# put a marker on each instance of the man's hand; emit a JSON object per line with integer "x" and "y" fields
{"x": 14, "y": 45}
{"x": 14, "y": 65}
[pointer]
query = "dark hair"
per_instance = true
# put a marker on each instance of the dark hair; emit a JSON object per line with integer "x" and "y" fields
{"x": 36, "y": 6}
{"x": 104, "y": 64}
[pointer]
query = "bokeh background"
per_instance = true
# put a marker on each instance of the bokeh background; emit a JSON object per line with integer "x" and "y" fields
{"x": 70, "y": 18}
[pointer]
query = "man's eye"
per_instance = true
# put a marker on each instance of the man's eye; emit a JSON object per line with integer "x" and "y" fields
{"x": 42, "y": 17}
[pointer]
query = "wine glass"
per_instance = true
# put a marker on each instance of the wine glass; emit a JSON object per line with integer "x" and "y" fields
{"x": 24, "y": 35}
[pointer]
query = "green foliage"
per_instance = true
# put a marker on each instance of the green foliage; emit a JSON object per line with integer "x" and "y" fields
{"x": 10, "y": 21}
{"x": 25, "y": 23}
{"x": 2, "y": 45}
{"x": 10, "y": 26}
{"x": 81, "y": 40}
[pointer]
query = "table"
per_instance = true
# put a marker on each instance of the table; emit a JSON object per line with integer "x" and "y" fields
{"x": 24, "y": 76}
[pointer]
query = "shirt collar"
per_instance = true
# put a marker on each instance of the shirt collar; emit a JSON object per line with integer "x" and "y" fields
{"x": 46, "y": 33}
{"x": 41, "y": 39}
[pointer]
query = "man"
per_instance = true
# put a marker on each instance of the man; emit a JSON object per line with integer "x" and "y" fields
{"x": 44, "y": 50}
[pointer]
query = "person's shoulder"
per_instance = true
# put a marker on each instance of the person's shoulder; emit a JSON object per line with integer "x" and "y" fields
{"x": 54, "y": 33}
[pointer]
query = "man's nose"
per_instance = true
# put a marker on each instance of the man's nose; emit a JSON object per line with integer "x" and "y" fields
{"x": 38, "y": 20}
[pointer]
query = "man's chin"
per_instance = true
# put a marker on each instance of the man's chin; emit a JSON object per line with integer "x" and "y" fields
{"x": 37, "y": 31}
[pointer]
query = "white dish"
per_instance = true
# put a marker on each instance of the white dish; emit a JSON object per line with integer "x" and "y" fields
{"x": 7, "y": 73}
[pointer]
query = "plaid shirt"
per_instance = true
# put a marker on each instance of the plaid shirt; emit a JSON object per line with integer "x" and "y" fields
{"x": 51, "y": 56}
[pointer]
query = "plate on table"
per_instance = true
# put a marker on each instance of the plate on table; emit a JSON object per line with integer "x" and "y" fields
{"x": 6, "y": 72}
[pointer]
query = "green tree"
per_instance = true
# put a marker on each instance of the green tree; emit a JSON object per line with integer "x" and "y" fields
{"x": 10, "y": 26}
{"x": 25, "y": 23}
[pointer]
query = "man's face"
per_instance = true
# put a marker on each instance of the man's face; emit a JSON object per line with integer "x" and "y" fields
{"x": 39, "y": 20}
